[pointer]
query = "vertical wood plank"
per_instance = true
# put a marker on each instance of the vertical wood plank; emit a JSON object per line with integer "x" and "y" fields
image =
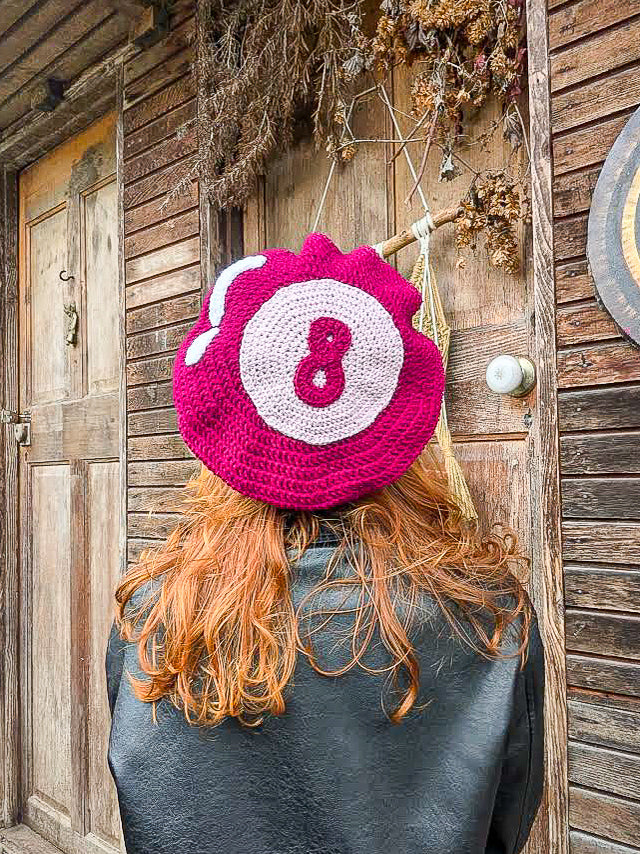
{"x": 79, "y": 648}
{"x": 25, "y": 607}
{"x": 73, "y": 290}
{"x": 122, "y": 326}
{"x": 255, "y": 227}
{"x": 25, "y": 615}
{"x": 552, "y": 830}
{"x": 50, "y": 698}
{"x": 9, "y": 588}
{"x": 3, "y": 492}
{"x": 208, "y": 249}
{"x": 102, "y": 568}
{"x": 48, "y": 369}
{"x": 122, "y": 367}
{"x": 101, "y": 297}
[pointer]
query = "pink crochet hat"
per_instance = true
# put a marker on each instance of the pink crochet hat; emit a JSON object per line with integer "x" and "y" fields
{"x": 303, "y": 382}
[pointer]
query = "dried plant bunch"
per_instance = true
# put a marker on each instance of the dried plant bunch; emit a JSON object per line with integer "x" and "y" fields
{"x": 495, "y": 204}
{"x": 265, "y": 64}
{"x": 260, "y": 64}
{"x": 466, "y": 49}
{"x": 464, "y": 52}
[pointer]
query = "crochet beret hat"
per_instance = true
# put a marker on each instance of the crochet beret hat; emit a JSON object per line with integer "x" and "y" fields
{"x": 303, "y": 382}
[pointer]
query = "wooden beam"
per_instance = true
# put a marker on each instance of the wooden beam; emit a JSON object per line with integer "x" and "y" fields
{"x": 604, "y": 453}
{"x": 83, "y": 102}
{"x": 610, "y": 542}
{"x": 583, "y": 843}
{"x": 604, "y": 674}
{"x": 608, "y": 721}
{"x": 616, "y": 407}
{"x": 551, "y": 832}
{"x": 603, "y": 815}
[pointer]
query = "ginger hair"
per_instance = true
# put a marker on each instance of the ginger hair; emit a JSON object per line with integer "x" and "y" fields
{"x": 220, "y": 636}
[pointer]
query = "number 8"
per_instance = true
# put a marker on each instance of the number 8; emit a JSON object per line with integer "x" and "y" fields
{"x": 319, "y": 378}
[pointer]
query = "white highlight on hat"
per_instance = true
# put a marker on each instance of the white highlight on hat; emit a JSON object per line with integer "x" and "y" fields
{"x": 275, "y": 340}
{"x": 195, "y": 350}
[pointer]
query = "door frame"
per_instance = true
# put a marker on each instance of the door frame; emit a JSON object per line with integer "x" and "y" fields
{"x": 547, "y": 575}
{"x": 97, "y": 91}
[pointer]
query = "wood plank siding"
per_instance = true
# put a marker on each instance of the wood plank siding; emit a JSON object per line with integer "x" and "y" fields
{"x": 595, "y": 74}
{"x": 162, "y": 271}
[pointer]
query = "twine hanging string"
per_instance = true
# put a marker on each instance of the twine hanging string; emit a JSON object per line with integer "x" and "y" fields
{"x": 346, "y": 129}
{"x": 423, "y": 276}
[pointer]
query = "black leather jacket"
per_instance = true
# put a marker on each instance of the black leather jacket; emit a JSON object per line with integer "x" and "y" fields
{"x": 333, "y": 775}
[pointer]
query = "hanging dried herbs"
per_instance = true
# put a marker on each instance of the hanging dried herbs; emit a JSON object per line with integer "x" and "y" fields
{"x": 264, "y": 64}
{"x": 465, "y": 50}
{"x": 260, "y": 64}
{"x": 494, "y": 205}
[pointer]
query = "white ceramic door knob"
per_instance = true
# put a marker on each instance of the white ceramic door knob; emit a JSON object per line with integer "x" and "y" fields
{"x": 512, "y": 375}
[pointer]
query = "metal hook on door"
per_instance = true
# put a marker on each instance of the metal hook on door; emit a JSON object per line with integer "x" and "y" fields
{"x": 64, "y": 277}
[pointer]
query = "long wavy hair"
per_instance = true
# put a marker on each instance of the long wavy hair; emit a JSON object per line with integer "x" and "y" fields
{"x": 220, "y": 635}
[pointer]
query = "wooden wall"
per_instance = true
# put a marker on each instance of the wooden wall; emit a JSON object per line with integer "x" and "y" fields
{"x": 595, "y": 86}
{"x": 162, "y": 270}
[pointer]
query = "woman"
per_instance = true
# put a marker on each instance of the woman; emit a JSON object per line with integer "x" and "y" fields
{"x": 322, "y": 657}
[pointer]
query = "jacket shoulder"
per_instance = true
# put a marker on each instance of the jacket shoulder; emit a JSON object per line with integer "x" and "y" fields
{"x": 143, "y": 597}
{"x": 118, "y": 649}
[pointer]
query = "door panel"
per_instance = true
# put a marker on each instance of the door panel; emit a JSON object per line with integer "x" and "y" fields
{"x": 490, "y": 312}
{"x": 101, "y": 268}
{"x": 70, "y": 485}
{"x": 50, "y": 636}
{"x": 103, "y": 565}
{"x": 47, "y": 252}
{"x": 503, "y": 462}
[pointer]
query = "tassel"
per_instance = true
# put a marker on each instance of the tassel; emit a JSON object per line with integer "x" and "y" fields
{"x": 457, "y": 483}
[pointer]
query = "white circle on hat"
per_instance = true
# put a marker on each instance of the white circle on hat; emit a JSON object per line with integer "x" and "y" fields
{"x": 275, "y": 341}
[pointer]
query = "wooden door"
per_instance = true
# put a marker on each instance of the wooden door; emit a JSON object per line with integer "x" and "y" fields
{"x": 490, "y": 312}
{"x": 69, "y": 324}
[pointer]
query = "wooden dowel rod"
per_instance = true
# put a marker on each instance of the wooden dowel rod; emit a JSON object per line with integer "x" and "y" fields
{"x": 399, "y": 241}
